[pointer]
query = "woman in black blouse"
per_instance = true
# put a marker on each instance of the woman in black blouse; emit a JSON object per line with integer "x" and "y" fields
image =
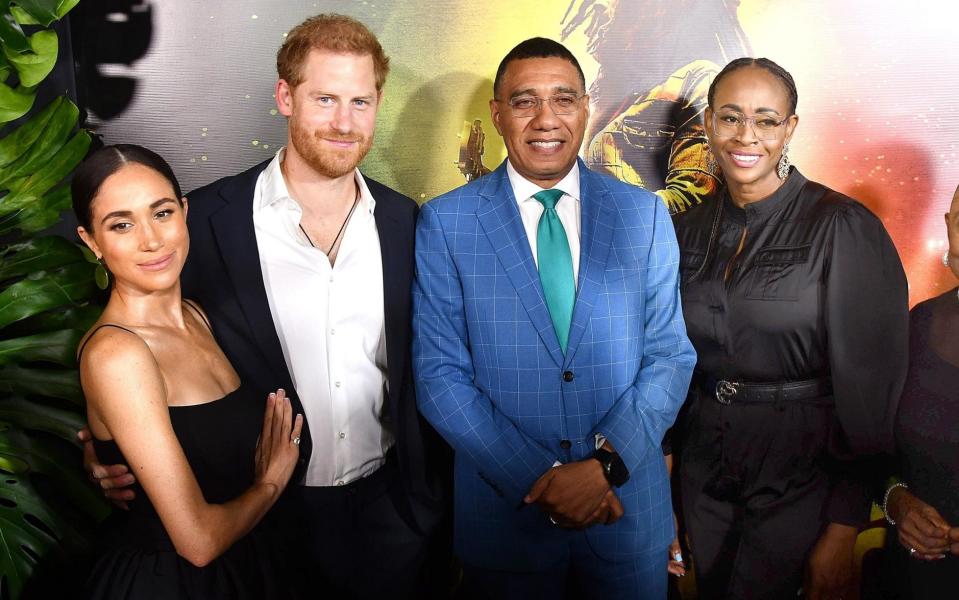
{"x": 796, "y": 302}
{"x": 924, "y": 504}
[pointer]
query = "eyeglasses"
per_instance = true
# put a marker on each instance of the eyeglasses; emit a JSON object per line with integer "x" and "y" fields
{"x": 529, "y": 106}
{"x": 729, "y": 124}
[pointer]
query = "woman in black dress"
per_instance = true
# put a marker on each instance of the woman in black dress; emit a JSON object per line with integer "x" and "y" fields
{"x": 924, "y": 504}
{"x": 796, "y": 302}
{"x": 163, "y": 399}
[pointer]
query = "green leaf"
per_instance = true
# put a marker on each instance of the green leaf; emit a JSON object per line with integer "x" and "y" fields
{"x": 52, "y": 138}
{"x": 80, "y": 318}
{"x": 14, "y": 145}
{"x": 61, "y": 463}
{"x": 38, "y": 215}
{"x": 27, "y": 414}
{"x": 23, "y": 17}
{"x": 43, "y": 12}
{"x": 37, "y": 254}
{"x": 58, "y": 347}
{"x": 34, "y": 66}
{"x": 18, "y": 534}
{"x": 14, "y": 103}
{"x": 65, "y": 6}
{"x": 29, "y": 297}
{"x": 55, "y": 383}
{"x": 10, "y": 32}
{"x": 53, "y": 172}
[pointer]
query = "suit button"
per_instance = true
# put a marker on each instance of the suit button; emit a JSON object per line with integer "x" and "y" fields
{"x": 566, "y": 444}
{"x": 568, "y": 376}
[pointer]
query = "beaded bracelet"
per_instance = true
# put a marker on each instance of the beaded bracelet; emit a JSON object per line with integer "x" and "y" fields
{"x": 885, "y": 500}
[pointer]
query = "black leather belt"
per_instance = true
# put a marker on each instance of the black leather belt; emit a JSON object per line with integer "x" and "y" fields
{"x": 812, "y": 391}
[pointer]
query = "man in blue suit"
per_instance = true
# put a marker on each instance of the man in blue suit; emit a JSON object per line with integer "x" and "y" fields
{"x": 549, "y": 350}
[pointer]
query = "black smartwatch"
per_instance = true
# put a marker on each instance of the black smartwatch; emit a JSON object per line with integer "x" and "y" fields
{"x": 613, "y": 467}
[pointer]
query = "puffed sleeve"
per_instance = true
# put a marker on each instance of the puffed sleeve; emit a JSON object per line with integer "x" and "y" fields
{"x": 867, "y": 324}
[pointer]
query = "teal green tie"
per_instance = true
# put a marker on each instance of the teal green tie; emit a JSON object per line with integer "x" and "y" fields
{"x": 555, "y": 265}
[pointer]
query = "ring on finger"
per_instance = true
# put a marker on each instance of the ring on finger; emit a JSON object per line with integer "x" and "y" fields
{"x": 295, "y": 440}
{"x": 912, "y": 551}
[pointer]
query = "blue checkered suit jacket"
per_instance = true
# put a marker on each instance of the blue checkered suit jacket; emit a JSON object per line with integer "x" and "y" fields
{"x": 490, "y": 372}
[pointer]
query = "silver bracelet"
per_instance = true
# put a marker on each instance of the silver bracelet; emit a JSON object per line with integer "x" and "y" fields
{"x": 885, "y": 500}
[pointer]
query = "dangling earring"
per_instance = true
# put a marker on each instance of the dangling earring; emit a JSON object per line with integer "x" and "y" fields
{"x": 782, "y": 169}
{"x": 101, "y": 275}
{"x": 945, "y": 259}
{"x": 711, "y": 167}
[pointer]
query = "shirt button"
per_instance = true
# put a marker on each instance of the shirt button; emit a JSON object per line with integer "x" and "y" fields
{"x": 342, "y": 434}
{"x": 566, "y": 444}
{"x": 331, "y": 279}
{"x": 337, "y": 384}
{"x": 332, "y": 332}
{"x": 568, "y": 376}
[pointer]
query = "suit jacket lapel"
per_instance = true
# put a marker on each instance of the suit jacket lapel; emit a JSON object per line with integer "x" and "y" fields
{"x": 501, "y": 221}
{"x": 233, "y": 227}
{"x": 598, "y": 221}
{"x": 395, "y": 245}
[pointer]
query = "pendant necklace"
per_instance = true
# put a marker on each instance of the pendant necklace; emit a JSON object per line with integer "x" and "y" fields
{"x": 339, "y": 233}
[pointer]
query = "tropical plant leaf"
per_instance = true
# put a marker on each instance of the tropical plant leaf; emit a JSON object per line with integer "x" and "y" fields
{"x": 42, "y": 12}
{"x": 47, "y": 455}
{"x": 34, "y": 66}
{"x": 29, "y": 414}
{"x": 22, "y": 17}
{"x": 15, "y": 144}
{"x": 59, "y": 166}
{"x": 80, "y": 318}
{"x": 48, "y": 290}
{"x": 38, "y": 215}
{"x": 14, "y": 103}
{"x": 58, "y": 347}
{"x": 55, "y": 383}
{"x": 54, "y": 135}
{"x": 11, "y": 34}
{"x": 37, "y": 254}
{"x": 22, "y": 542}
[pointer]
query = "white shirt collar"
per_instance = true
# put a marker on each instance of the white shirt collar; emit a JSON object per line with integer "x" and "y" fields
{"x": 274, "y": 188}
{"x": 524, "y": 189}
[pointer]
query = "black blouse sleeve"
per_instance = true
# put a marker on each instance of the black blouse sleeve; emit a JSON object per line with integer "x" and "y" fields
{"x": 867, "y": 324}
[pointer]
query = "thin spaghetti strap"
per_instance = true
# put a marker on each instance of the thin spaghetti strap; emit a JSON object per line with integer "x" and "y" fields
{"x": 199, "y": 313}
{"x": 92, "y": 333}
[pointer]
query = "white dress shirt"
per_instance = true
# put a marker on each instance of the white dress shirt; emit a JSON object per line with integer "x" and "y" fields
{"x": 568, "y": 209}
{"x": 331, "y": 325}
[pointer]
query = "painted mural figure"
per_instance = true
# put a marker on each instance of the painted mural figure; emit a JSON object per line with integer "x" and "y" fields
{"x": 650, "y": 93}
{"x": 472, "y": 148}
{"x": 552, "y": 371}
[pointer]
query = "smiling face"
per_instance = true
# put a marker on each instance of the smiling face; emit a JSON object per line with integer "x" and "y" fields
{"x": 748, "y": 162}
{"x": 332, "y": 111}
{"x": 542, "y": 147}
{"x": 138, "y": 229}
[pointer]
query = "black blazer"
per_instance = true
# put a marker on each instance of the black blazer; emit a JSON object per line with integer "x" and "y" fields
{"x": 223, "y": 274}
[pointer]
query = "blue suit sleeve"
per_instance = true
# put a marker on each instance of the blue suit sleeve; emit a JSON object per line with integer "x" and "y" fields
{"x": 443, "y": 368}
{"x": 640, "y": 417}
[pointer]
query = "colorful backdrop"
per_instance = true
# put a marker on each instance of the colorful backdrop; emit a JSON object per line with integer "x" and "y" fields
{"x": 194, "y": 81}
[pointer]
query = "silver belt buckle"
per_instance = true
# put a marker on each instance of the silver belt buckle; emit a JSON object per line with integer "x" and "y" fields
{"x": 725, "y": 390}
